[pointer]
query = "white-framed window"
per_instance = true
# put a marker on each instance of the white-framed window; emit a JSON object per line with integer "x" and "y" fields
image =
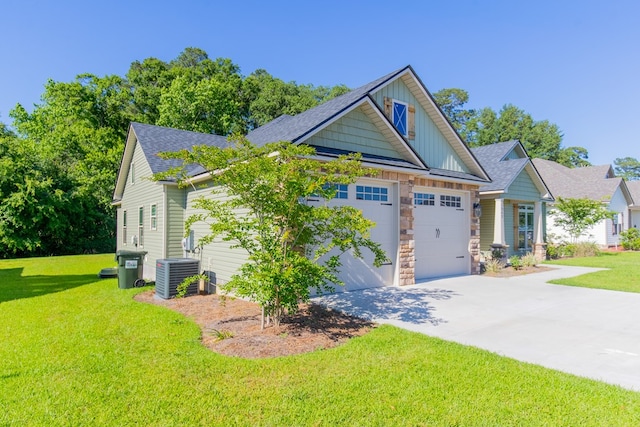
{"x": 450, "y": 201}
{"x": 400, "y": 113}
{"x": 141, "y": 226}
{"x": 365, "y": 192}
{"x": 124, "y": 227}
{"x": 614, "y": 225}
{"x": 424, "y": 199}
{"x": 342, "y": 191}
{"x": 153, "y": 216}
{"x": 525, "y": 227}
{"x": 132, "y": 173}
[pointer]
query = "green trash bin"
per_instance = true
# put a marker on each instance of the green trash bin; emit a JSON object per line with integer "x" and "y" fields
{"x": 130, "y": 268}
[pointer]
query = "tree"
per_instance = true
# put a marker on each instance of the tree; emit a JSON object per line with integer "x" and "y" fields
{"x": 575, "y": 216}
{"x": 293, "y": 247}
{"x": 451, "y": 101}
{"x": 628, "y": 168}
{"x": 573, "y": 157}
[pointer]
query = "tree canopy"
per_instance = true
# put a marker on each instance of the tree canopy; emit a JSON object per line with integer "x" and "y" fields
{"x": 293, "y": 247}
{"x": 628, "y": 168}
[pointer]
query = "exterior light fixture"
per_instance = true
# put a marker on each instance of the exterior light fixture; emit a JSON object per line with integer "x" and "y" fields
{"x": 477, "y": 210}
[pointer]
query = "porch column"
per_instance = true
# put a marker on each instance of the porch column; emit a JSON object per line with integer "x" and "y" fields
{"x": 498, "y": 224}
{"x": 539, "y": 247}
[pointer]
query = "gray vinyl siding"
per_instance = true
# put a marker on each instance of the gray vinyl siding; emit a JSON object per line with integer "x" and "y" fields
{"x": 176, "y": 204}
{"x": 486, "y": 224}
{"x": 143, "y": 193}
{"x": 429, "y": 142}
{"x": 523, "y": 188}
{"x": 216, "y": 257}
{"x": 355, "y": 133}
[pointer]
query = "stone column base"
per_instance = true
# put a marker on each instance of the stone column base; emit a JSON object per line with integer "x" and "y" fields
{"x": 540, "y": 251}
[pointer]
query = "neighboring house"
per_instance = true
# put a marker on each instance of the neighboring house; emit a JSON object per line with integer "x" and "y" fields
{"x": 590, "y": 182}
{"x": 513, "y": 204}
{"x": 634, "y": 209}
{"x": 421, "y": 200}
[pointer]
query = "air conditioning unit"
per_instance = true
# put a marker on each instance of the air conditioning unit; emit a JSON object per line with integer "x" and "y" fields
{"x": 171, "y": 272}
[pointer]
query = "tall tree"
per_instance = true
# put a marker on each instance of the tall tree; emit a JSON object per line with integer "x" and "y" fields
{"x": 451, "y": 101}
{"x": 627, "y": 167}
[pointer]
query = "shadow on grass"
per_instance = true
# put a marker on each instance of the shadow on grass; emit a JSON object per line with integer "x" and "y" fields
{"x": 13, "y": 285}
{"x": 406, "y": 305}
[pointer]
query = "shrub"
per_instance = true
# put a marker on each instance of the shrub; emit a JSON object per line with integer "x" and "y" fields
{"x": 631, "y": 239}
{"x": 515, "y": 262}
{"x": 529, "y": 260}
{"x": 493, "y": 266}
{"x": 584, "y": 249}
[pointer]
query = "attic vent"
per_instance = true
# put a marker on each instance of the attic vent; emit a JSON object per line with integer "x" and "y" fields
{"x": 171, "y": 272}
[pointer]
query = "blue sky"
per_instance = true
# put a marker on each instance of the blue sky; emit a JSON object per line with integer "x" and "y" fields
{"x": 574, "y": 63}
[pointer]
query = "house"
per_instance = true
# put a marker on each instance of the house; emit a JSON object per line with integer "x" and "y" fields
{"x": 634, "y": 209}
{"x": 421, "y": 199}
{"x": 513, "y": 204}
{"x": 590, "y": 182}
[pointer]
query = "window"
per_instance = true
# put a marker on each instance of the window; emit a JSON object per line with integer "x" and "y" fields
{"x": 614, "y": 225}
{"x": 424, "y": 199}
{"x": 154, "y": 217}
{"x": 379, "y": 194}
{"x": 124, "y": 227}
{"x": 141, "y": 226}
{"x": 451, "y": 201}
{"x": 342, "y": 190}
{"x": 400, "y": 112}
{"x": 132, "y": 173}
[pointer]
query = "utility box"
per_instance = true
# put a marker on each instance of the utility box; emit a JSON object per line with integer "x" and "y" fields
{"x": 130, "y": 268}
{"x": 171, "y": 272}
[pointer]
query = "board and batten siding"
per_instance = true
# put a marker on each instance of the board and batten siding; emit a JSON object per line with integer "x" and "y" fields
{"x": 142, "y": 193}
{"x": 175, "y": 210}
{"x": 355, "y": 133}
{"x": 429, "y": 141}
{"x": 487, "y": 223}
{"x": 523, "y": 188}
{"x": 216, "y": 257}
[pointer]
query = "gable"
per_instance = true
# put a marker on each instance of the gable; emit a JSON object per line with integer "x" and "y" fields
{"x": 523, "y": 188}
{"x": 429, "y": 142}
{"x": 357, "y": 132}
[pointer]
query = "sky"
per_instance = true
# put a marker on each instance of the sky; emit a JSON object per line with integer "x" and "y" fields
{"x": 573, "y": 63}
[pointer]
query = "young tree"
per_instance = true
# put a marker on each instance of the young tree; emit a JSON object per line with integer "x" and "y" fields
{"x": 293, "y": 247}
{"x": 575, "y": 216}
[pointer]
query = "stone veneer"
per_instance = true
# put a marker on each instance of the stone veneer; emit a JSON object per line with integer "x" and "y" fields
{"x": 407, "y": 242}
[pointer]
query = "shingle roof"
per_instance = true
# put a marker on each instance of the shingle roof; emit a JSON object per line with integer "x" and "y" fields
{"x": 291, "y": 128}
{"x": 634, "y": 189}
{"x": 589, "y": 182}
{"x": 157, "y": 139}
{"x": 501, "y": 171}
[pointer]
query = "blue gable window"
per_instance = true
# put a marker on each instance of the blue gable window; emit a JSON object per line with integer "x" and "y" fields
{"x": 400, "y": 116}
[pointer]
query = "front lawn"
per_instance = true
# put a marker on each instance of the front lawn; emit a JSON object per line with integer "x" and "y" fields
{"x": 76, "y": 350}
{"x": 622, "y": 274}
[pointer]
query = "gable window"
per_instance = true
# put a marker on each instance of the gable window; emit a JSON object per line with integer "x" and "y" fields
{"x": 400, "y": 112}
{"x": 379, "y": 194}
{"x": 132, "y": 173}
{"x": 424, "y": 199}
{"x": 124, "y": 227}
{"x": 450, "y": 201}
{"x": 402, "y": 115}
{"x": 154, "y": 217}
{"x": 141, "y": 226}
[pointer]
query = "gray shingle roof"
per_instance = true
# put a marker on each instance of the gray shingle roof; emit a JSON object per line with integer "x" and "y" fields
{"x": 157, "y": 139}
{"x": 501, "y": 171}
{"x": 288, "y": 128}
{"x": 589, "y": 182}
{"x": 634, "y": 189}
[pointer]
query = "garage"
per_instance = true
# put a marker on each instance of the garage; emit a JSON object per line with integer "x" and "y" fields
{"x": 377, "y": 201}
{"x": 441, "y": 232}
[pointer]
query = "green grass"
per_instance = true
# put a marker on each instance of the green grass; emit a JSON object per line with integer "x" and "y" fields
{"x": 76, "y": 350}
{"x": 622, "y": 274}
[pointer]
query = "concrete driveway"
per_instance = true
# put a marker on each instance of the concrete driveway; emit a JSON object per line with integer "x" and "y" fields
{"x": 587, "y": 332}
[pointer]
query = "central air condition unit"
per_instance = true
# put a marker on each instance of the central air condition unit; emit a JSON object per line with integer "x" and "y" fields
{"x": 171, "y": 272}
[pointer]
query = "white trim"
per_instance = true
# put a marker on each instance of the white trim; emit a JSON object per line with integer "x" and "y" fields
{"x": 124, "y": 228}
{"x": 151, "y": 217}
{"x": 140, "y": 228}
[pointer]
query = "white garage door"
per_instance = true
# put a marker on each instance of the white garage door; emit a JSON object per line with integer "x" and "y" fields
{"x": 441, "y": 232}
{"x": 377, "y": 202}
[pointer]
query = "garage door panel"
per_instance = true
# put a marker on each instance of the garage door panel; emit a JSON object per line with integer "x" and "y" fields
{"x": 441, "y": 232}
